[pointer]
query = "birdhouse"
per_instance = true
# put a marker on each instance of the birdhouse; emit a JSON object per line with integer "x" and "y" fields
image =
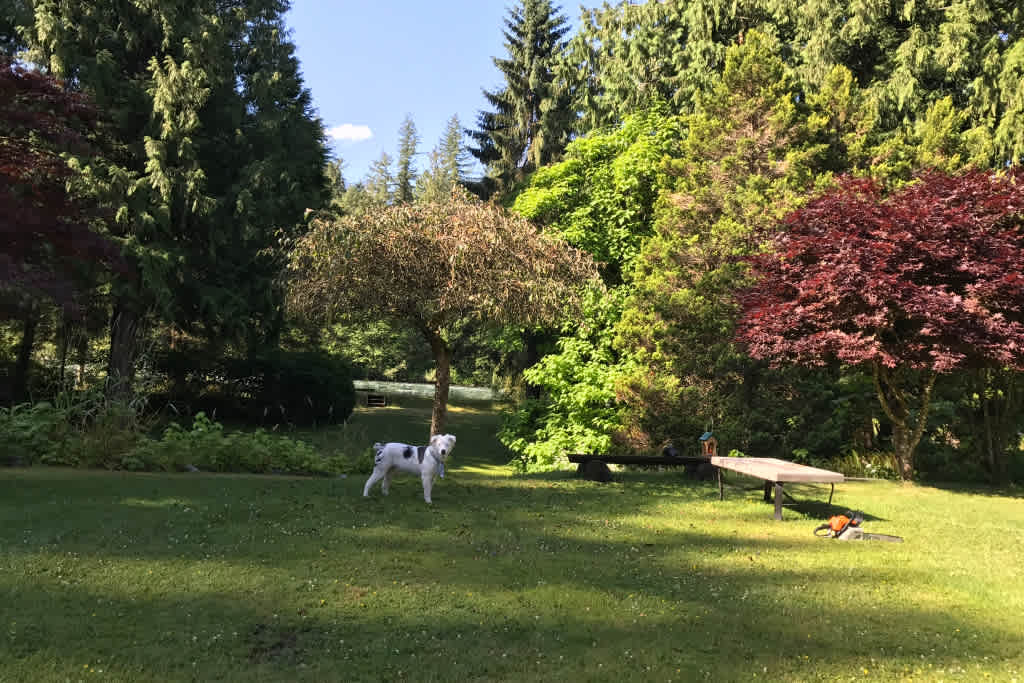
{"x": 708, "y": 445}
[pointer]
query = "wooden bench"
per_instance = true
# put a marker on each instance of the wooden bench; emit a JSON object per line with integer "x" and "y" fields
{"x": 691, "y": 463}
{"x": 777, "y": 472}
{"x": 669, "y": 460}
{"x": 376, "y": 400}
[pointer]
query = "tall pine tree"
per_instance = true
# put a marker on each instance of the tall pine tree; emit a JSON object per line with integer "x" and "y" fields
{"x": 380, "y": 181}
{"x": 448, "y": 165}
{"x": 531, "y": 117}
{"x": 405, "y": 174}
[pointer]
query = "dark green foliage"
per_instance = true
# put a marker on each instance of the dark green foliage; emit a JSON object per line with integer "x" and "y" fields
{"x": 296, "y": 388}
{"x": 13, "y": 13}
{"x": 29, "y": 431}
{"x": 216, "y": 156}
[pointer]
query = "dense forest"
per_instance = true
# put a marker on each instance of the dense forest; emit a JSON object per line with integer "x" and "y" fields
{"x": 797, "y": 224}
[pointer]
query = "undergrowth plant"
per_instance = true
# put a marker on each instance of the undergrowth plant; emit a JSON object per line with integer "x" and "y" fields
{"x": 207, "y": 446}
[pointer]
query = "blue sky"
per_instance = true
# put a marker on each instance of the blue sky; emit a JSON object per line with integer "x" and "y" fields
{"x": 368, "y": 64}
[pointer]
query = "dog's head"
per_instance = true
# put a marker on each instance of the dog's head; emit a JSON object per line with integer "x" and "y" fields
{"x": 442, "y": 444}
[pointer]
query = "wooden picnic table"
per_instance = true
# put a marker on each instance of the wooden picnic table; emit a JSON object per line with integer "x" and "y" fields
{"x": 777, "y": 472}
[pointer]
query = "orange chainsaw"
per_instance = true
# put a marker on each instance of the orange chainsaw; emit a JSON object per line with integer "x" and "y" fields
{"x": 847, "y": 527}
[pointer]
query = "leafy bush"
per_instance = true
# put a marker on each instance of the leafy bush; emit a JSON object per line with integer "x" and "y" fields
{"x": 208, "y": 447}
{"x": 77, "y": 429}
{"x": 28, "y": 432}
{"x": 578, "y": 412}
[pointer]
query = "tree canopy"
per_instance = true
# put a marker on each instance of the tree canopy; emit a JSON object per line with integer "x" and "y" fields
{"x": 433, "y": 265}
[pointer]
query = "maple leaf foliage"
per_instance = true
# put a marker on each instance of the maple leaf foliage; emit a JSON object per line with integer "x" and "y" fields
{"x": 44, "y": 230}
{"x": 927, "y": 278}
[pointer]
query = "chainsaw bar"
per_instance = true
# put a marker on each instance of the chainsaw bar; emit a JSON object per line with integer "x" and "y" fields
{"x": 853, "y": 534}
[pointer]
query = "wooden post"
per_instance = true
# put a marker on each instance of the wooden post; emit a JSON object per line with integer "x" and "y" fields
{"x": 767, "y": 491}
{"x": 778, "y": 500}
{"x": 721, "y": 489}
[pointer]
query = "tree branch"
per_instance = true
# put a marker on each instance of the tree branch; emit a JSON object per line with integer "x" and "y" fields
{"x": 886, "y": 408}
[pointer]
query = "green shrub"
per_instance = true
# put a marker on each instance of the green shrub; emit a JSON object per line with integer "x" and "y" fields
{"x": 206, "y": 446}
{"x": 99, "y": 430}
{"x": 29, "y": 431}
{"x": 293, "y": 387}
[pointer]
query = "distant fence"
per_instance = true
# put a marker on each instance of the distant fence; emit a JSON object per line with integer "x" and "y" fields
{"x": 425, "y": 390}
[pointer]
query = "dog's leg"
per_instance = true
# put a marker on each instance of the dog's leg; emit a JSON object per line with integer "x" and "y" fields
{"x": 385, "y": 485}
{"x": 428, "y": 484}
{"x": 378, "y": 474}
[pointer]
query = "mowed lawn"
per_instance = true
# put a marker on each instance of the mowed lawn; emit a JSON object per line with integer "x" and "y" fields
{"x": 194, "y": 577}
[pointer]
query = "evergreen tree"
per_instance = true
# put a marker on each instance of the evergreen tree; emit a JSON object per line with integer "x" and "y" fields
{"x": 217, "y": 156}
{"x": 335, "y": 174}
{"x": 448, "y": 164}
{"x": 379, "y": 181}
{"x": 631, "y": 56}
{"x": 405, "y": 175}
{"x": 531, "y": 117}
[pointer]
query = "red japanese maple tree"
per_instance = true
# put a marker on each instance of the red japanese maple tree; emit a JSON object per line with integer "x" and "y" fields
{"x": 912, "y": 284}
{"x": 44, "y": 229}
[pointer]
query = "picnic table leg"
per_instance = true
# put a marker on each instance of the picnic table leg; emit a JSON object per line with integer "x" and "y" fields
{"x": 721, "y": 488}
{"x": 778, "y": 500}
{"x": 830, "y": 494}
{"x": 767, "y": 491}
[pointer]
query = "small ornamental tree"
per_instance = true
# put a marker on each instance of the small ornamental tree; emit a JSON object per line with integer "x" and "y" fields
{"x": 911, "y": 285}
{"x": 432, "y": 266}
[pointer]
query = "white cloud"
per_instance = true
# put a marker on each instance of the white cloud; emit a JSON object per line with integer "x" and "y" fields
{"x": 348, "y": 132}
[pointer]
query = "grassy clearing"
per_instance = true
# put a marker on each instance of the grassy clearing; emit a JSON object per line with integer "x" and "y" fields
{"x": 157, "y": 577}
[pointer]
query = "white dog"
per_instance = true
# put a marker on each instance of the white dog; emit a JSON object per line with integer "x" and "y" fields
{"x": 427, "y": 461}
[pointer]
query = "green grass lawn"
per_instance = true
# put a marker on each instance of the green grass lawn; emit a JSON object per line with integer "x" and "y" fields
{"x": 195, "y": 577}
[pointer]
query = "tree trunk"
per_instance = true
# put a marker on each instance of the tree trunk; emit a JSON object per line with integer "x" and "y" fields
{"x": 906, "y": 432}
{"x": 19, "y": 385}
{"x": 124, "y": 327}
{"x": 442, "y": 382}
{"x": 989, "y": 445}
{"x": 903, "y": 451}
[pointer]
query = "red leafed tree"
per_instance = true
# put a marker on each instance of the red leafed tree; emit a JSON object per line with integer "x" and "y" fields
{"x": 912, "y": 284}
{"x": 44, "y": 229}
